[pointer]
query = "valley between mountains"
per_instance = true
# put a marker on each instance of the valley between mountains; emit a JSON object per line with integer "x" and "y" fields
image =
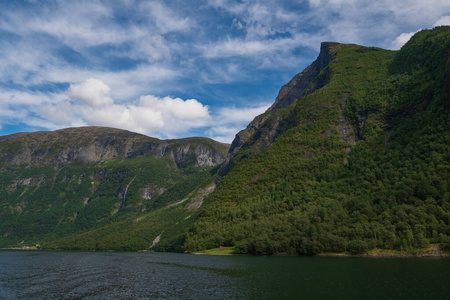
{"x": 352, "y": 157}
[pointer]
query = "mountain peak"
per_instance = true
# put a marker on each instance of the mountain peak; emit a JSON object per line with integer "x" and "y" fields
{"x": 288, "y": 94}
{"x": 297, "y": 85}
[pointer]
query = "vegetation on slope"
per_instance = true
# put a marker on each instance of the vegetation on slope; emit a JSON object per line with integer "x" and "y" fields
{"x": 364, "y": 162}
{"x": 62, "y": 191}
{"x": 159, "y": 230}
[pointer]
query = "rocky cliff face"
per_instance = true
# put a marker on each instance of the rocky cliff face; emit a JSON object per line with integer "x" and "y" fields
{"x": 305, "y": 82}
{"x": 295, "y": 88}
{"x": 95, "y": 144}
{"x": 198, "y": 155}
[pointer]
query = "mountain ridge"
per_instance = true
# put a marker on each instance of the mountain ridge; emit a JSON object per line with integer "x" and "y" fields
{"x": 93, "y": 143}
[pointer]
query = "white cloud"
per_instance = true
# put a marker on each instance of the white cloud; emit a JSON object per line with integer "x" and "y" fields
{"x": 162, "y": 117}
{"x": 151, "y": 48}
{"x": 165, "y": 18}
{"x": 92, "y": 92}
{"x": 228, "y": 121}
{"x": 445, "y": 20}
{"x": 241, "y": 115}
{"x": 332, "y": 2}
{"x": 9, "y": 97}
{"x": 405, "y": 37}
{"x": 147, "y": 118}
{"x": 231, "y": 6}
{"x": 75, "y": 23}
{"x": 180, "y": 109}
{"x": 137, "y": 119}
{"x": 37, "y": 109}
{"x": 32, "y": 58}
{"x": 127, "y": 84}
{"x": 257, "y": 49}
{"x": 237, "y": 47}
{"x": 224, "y": 134}
{"x": 374, "y": 23}
{"x": 60, "y": 113}
{"x": 401, "y": 40}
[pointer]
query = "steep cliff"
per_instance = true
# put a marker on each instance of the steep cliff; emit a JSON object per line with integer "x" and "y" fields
{"x": 265, "y": 128}
{"x": 352, "y": 156}
{"x": 297, "y": 86}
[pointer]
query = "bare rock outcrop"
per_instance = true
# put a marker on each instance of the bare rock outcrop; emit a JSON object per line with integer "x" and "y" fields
{"x": 263, "y": 131}
{"x": 97, "y": 144}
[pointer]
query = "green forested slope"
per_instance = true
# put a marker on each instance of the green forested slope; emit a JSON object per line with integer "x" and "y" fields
{"x": 58, "y": 184}
{"x": 161, "y": 229}
{"x": 364, "y": 161}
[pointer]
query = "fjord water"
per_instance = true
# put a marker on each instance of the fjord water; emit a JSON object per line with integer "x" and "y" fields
{"x": 105, "y": 275}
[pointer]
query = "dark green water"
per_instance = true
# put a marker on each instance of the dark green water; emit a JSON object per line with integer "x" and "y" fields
{"x": 93, "y": 275}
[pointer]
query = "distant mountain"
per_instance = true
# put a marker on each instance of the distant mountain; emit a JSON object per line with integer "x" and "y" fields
{"x": 94, "y": 144}
{"x": 56, "y": 184}
{"x": 354, "y": 155}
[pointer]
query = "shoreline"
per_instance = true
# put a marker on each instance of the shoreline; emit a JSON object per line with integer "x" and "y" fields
{"x": 433, "y": 251}
{"x": 343, "y": 255}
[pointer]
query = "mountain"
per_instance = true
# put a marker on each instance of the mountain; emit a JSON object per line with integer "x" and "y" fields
{"x": 60, "y": 183}
{"x": 304, "y": 82}
{"x": 354, "y": 155}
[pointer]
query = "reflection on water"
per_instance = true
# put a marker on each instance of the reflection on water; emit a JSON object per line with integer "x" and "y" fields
{"x": 99, "y": 275}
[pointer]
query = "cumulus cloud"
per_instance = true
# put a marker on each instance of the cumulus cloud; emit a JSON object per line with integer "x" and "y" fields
{"x": 92, "y": 91}
{"x": 176, "y": 107}
{"x": 168, "y": 117}
{"x": 165, "y": 117}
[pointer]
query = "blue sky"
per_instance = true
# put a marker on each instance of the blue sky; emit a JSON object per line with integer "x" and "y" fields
{"x": 173, "y": 69}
